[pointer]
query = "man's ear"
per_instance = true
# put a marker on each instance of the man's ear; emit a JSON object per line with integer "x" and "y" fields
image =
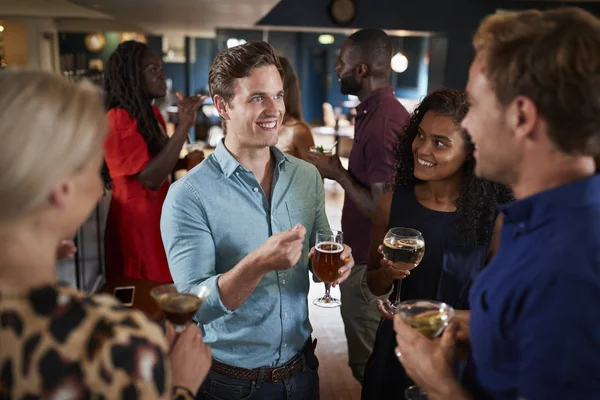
{"x": 222, "y": 107}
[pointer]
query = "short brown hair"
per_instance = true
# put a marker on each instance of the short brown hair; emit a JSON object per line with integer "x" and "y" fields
{"x": 551, "y": 57}
{"x": 237, "y": 62}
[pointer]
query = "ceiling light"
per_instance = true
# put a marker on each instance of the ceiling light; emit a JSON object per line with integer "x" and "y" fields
{"x": 95, "y": 42}
{"x": 326, "y": 39}
{"x": 232, "y": 42}
{"x": 1, "y": 28}
{"x": 399, "y": 63}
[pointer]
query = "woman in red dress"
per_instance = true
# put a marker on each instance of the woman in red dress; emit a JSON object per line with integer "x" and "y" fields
{"x": 140, "y": 158}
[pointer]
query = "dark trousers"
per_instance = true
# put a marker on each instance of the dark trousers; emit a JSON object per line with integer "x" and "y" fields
{"x": 303, "y": 386}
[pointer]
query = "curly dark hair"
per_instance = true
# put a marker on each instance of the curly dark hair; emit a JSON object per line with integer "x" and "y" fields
{"x": 125, "y": 88}
{"x": 476, "y": 208}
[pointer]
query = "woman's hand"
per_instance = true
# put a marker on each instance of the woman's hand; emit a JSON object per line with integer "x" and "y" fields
{"x": 385, "y": 309}
{"x": 66, "y": 249}
{"x": 187, "y": 110}
{"x": 190, "y": 357}
{"x": 393, "y": 273}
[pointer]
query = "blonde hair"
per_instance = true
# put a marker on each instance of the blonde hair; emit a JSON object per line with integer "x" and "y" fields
{"x": 49, "y": 128}
{"x": 552, "y": 58}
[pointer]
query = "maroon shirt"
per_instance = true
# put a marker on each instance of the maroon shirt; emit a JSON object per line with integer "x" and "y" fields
{"x": 380, "y": 121}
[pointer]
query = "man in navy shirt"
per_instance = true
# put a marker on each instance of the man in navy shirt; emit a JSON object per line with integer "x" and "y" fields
{"x": 534, "y": 89}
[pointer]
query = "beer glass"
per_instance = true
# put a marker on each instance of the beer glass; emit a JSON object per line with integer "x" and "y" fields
{"x": 326, "y": 262}
{"x": 405, "y": 248}
{"x": 428, "y": 317}
{"x": 179, "y": 308}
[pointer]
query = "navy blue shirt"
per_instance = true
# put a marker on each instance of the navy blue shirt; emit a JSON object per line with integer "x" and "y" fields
{"x": 535, "y": 310}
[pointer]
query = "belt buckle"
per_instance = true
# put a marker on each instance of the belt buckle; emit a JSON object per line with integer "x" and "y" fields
{"x": 274, "y": 372}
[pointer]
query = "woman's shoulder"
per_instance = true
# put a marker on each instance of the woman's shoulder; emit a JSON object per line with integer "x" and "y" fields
{"x": 120, "y": 117}
{"x": 65, "y": 333}
{"x": 98, "y": 316}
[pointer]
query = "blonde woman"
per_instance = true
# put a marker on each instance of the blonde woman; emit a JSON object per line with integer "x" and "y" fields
{"x": 56, "y": 342}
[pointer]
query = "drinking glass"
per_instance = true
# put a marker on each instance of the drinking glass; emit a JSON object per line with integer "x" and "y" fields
{"x": 179, "y": 308}
{"x": 326, "y": 263}
{"x": 405, "y": 248}
{"x": 428, "y": 317}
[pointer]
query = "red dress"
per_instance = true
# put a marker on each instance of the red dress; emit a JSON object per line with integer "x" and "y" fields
{"x": 133, "y": 243}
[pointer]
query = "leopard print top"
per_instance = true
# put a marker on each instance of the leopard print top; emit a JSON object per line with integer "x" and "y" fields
{"x": 58, "y": 343}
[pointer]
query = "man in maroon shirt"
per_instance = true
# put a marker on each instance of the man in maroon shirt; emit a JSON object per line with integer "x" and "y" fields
{"x": 363, "y": 69}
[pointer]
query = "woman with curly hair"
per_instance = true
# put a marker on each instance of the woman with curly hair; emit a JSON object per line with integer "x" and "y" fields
{"x": 140, "y": 158}
{"x": 435, "y": 192}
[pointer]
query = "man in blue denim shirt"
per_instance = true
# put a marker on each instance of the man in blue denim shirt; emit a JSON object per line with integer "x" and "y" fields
{"x": 242, "y": 223}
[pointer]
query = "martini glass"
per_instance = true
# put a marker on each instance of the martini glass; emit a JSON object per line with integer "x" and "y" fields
{"x": 428, "y": 317}
{"x": 179, "y": 308}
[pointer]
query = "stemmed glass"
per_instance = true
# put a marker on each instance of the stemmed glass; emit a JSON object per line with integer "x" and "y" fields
{"x": 428, "y": 317}
{"x": 179, "y": 308}
{"x": 326, "y": 262}
{"x": 405, "y": 248}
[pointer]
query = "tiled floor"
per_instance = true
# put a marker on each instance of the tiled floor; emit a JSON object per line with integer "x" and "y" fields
{"x": 335, "y": 376}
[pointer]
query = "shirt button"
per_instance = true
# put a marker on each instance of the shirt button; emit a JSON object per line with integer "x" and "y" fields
{"x": 285, "y": 345}
{"x": 255, "y": 189}
{"x": 237, "y": 173}
{"x": 283, "y": 282}
{"x": 284, "y": 315}
{"x": 365, "y": 111}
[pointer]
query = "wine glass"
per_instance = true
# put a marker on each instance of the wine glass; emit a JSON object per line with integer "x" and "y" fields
{"x": 428, "y": 317}
{"x": 405, "y": 248}
{"x": 179, "y": 308}
{"x": 326, "y": 262}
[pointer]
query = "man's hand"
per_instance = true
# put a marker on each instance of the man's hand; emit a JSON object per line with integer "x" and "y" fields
{"x": 329, "y": 166}
{"x": 428, "y": 362}
{"x": 345, "y": 269}
{"x": 282, "y": 250}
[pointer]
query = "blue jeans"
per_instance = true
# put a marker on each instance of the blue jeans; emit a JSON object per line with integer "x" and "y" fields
{"x": 303, "y": 386}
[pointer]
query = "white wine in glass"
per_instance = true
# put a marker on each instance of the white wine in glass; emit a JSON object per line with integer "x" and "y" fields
{"x": 405, "y": 248}
{"x": 428, "y": 317}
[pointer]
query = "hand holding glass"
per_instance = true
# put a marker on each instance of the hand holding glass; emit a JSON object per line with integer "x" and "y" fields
{"x": 405, "y": 248}
{"x": 179, "y": 308}
{"x": 428, "y": 317}
{"x": 326, "y": 263}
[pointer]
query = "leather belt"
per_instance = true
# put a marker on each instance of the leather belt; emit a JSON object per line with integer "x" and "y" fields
{"x": 290, "y": 369}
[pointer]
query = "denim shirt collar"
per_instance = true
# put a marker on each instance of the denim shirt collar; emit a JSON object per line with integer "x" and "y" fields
{"x": 229, "y": 164}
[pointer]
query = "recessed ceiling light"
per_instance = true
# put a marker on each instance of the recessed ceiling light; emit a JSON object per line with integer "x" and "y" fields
{"x": 326, "y": 39}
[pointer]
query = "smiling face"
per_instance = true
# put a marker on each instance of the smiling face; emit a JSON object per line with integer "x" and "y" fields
{"x": 255, "y": 113}
{"x": 153, "y": 75}
{"x": 439, "y": 148}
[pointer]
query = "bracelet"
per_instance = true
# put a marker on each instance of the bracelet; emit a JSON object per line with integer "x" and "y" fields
{"x": 182, "y": 392}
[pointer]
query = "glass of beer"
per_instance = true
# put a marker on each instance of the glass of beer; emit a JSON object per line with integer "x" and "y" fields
{"x": 179, "y": 308}
{"x": 405, "y": 248}
{"x": 428, "y": 317}
{"x": 326, "y": 263}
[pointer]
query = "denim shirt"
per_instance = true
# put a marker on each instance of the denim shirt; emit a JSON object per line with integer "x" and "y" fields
{"x": 216, "y": 215}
